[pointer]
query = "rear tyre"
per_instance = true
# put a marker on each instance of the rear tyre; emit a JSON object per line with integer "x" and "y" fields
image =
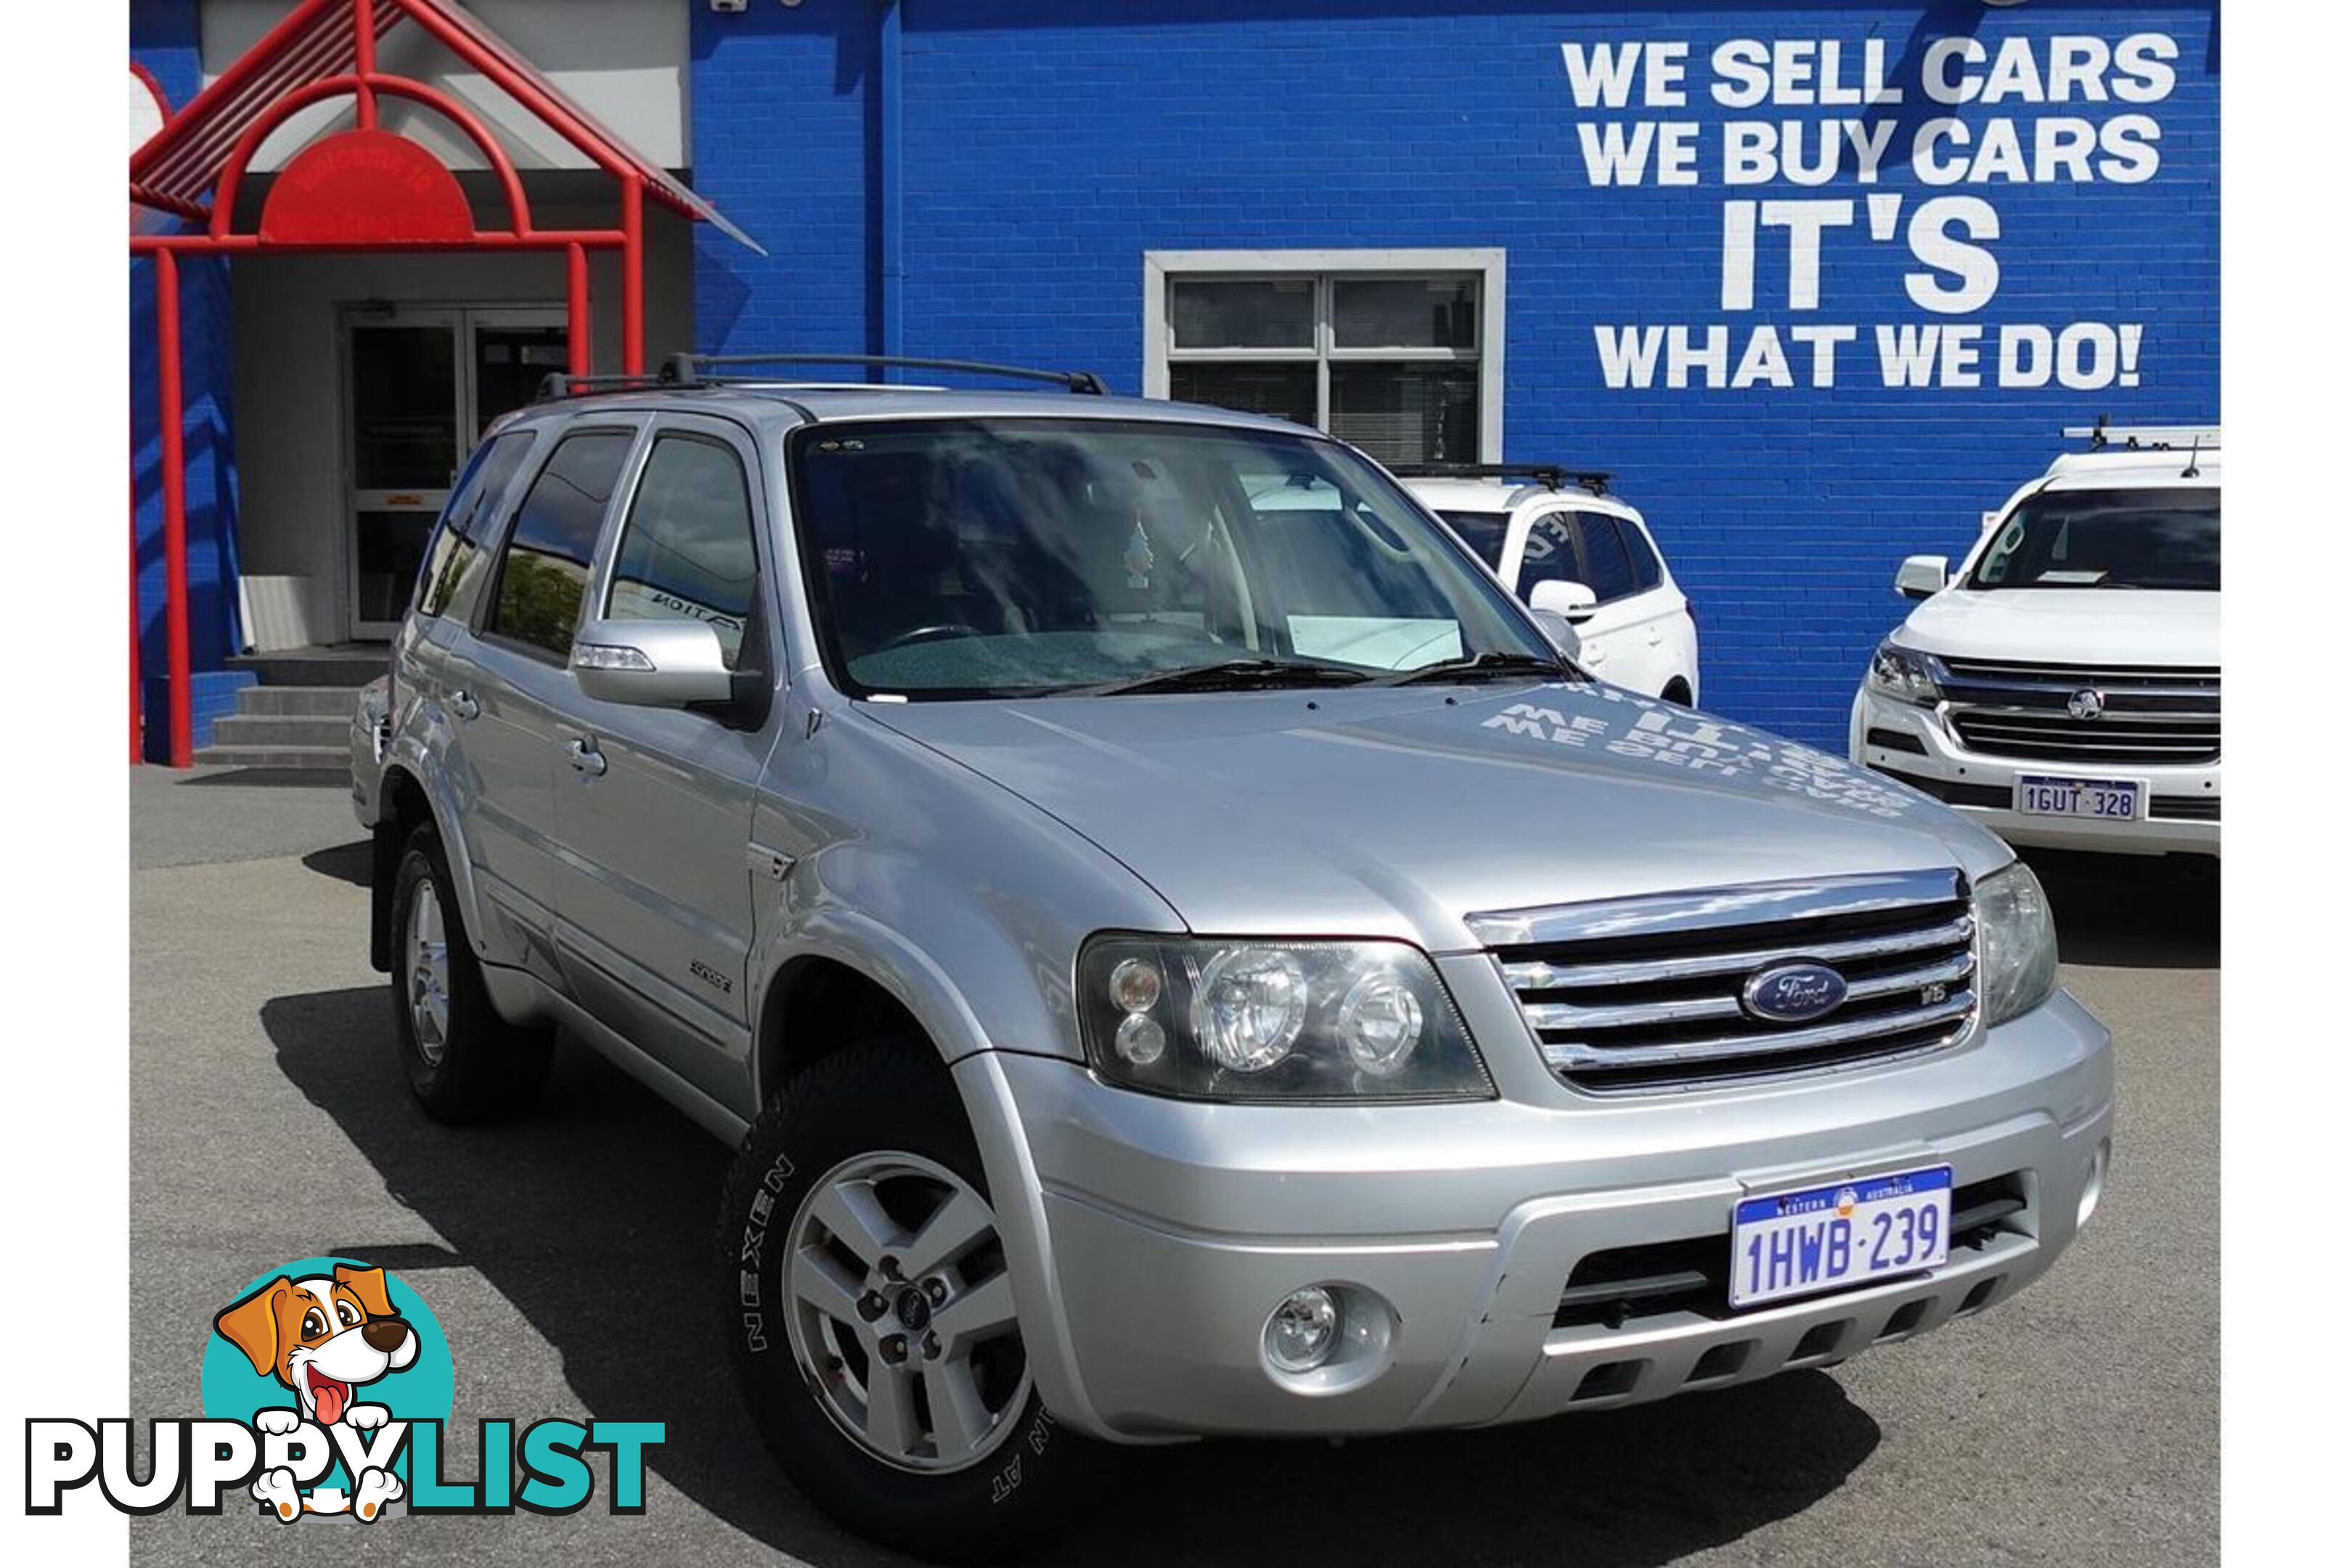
{"x": 464, "y": 1062}
{"x": 869, "y": 1314}
{"x": 1677, "y": 693}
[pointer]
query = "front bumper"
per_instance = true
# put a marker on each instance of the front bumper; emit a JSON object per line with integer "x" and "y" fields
{"x": 1153, "y": 1238}
{"x": 1981, "y": 786}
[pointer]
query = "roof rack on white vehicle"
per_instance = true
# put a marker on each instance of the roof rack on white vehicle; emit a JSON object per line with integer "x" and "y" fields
{"x": 1551, "y": 476}
{"x": 2147, "y": 437}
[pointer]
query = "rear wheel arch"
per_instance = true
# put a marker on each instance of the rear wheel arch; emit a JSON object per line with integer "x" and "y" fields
{"x": 402, "y": 807}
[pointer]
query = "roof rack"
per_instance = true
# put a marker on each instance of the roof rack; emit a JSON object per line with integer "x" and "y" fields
{"x": 694, "y": 370}
{"x": 1551, "y": 476}
{"x": 2145, "y": 438}
{"x": 683, "y": 372}
{"x": 558, "y": 384}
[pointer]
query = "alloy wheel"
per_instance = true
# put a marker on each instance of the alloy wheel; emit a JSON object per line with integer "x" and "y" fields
{"x": 902, "y": 1317}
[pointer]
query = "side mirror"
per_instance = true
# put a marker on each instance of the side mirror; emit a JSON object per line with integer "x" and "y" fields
{"x": 652, "y": 664}
{"x": 1562, "y": 634}
{"x": 1922, "y": 576}
{"x": 1571, "y": 602}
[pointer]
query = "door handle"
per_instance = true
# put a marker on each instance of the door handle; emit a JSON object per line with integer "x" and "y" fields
{"x": 463, "y": 705}
{"x": 585, "y": 758}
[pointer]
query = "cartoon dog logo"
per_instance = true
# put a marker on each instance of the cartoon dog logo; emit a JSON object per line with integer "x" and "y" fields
{"x": 324, "y": 1336}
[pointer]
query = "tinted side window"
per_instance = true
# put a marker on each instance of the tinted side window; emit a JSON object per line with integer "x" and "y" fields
{"x": 1550, "y": 553}
{"x": 1608, "y": 571}
{"x": 544, "y": 572}
{"x": 686, "y": 553}
{"x": 452, "y": 578}
{"x": 1647, "y": 572}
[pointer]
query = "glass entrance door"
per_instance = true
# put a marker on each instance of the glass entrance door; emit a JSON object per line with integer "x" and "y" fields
{"x": 423, "y": 385}
{"x": 404, "y": 451}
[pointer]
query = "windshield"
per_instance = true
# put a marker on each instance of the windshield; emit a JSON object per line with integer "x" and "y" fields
{"x": 1483, "y": 532}
{"x": 2168, "y": 538}
{"x": 1021, "y": 556}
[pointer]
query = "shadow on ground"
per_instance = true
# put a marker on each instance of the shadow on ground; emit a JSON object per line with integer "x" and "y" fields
{"x": 2130, "y": 911}
{"x": 274, "y": 778}
{"x": 352, "y": 863}
{"x": 594, "y": 1218}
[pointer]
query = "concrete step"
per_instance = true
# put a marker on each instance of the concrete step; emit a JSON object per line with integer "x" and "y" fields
{"x": 297, "y": 701}
{"x": 321, "y": 759}
{"x": 273, "y": 730}
{"x": 342, "y": 664}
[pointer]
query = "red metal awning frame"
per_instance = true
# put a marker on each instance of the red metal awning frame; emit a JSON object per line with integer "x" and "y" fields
{"x": 357, "y": 189}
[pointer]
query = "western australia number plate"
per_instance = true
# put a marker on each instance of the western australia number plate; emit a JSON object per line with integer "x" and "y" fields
{"x": 2110, "y": 799}
{"x": 1833, "y": 1238}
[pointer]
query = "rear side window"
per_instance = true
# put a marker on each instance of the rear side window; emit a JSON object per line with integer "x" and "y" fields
{"x": 687, "y": 553}
{"x": 1648, "y": 572}
{"x": 1608, "y": 570}
{"x": 452, "y": 578}
{"x": 543, "y": 575}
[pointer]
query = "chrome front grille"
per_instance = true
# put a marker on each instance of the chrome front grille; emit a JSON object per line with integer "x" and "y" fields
{"x": 2149, "y": 713}
{"x": 1646, "y": 994}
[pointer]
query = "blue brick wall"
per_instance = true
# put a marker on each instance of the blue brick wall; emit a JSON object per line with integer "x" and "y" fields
{"x": 1050, "y": 144}
{"x": 163, "y": 38}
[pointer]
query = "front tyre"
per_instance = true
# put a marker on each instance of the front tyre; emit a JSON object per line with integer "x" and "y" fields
{"x": 870, "y": 1314}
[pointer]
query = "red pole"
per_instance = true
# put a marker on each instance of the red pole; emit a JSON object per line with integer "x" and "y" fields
{"x": 175, "y": 504}
{"x": 135, "y": 758}
{"x": 633, "y": 277}
{"x": 363, "y": 61}
{"x": 577, "y": 257}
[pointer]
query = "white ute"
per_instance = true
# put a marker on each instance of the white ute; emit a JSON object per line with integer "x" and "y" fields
{"x": 2063, "y": 687}
{"x": 1582, "y": 554}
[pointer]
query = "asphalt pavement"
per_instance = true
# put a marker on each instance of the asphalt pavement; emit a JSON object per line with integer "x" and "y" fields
{"x": 567, "y": 1257}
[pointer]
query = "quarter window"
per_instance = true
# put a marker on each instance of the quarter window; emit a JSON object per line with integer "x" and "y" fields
{"x": 451, "y": 580}
{"x": 687, "y": 553}
{"x": 543, "y": 574}
{"x": 1648, "y": 571}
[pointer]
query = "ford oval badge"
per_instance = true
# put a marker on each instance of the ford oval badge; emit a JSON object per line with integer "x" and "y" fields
{"x": 1792, "y": 993}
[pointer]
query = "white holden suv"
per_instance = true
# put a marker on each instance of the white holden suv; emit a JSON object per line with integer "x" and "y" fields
{"x": 1580, "y": 553}
{"x": 2063, "y": 687}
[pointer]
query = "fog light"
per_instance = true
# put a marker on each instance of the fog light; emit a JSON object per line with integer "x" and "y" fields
{"x": 2095, "y": 1187}
{"x": 1304, "y": 1330}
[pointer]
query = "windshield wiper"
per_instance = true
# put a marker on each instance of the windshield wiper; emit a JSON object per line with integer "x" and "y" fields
{"x": 1227, "y": 674}
{"x": 1481, "y": 665}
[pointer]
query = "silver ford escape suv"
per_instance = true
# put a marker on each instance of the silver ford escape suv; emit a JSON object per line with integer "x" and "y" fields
{"x": 1175, "y": 963}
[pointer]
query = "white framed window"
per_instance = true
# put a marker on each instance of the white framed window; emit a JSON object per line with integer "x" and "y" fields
{"x": 1397, "y": 352}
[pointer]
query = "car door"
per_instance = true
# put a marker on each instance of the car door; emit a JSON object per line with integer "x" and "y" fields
{"x": 1658, "y": 612}
{"x": 1621, "y": 630}
{"x": 439, "y": 665}
{"x": 511, "y": 681}
{"x": 653, "y": 805}
{"x": 1553, "y": 550}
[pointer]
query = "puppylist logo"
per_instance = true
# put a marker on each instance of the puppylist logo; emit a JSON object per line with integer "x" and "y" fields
{"x": 327, "y": 1388}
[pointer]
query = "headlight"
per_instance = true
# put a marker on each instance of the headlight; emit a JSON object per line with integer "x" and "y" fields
{"x": 1274, "y": 1020}
{"x": 2018, "y": 943}
{"x": 1905, "y": 674}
